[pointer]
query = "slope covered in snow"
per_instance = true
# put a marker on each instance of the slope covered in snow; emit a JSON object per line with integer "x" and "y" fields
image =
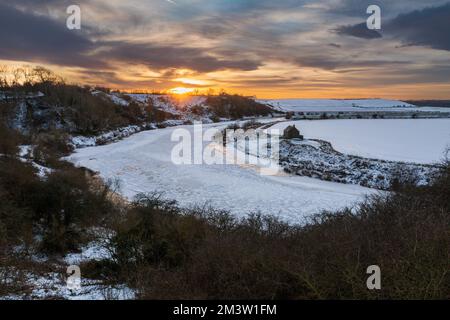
{"x": 407, "y": 140}
{"x": 170, "y": 103}
{"x": 305, "y": 105}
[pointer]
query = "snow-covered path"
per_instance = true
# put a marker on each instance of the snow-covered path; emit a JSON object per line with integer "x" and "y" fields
{"x": 143, "y": 163}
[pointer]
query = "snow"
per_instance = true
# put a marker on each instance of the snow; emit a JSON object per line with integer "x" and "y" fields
{"x": 26, "y": 155}
{"x": 118, "y": 100}
{"x": 318, "y": 159}
{"x": 29, "y": 95}
{"x": 53, "y": 284}
{"x": 175, "y": 104}
{"x": 42, "y": 171}
{"x": 172, "y": 123}
{"x": 177, "y": 101}
{"x": 84, "y": 141}
{"x": 407, "y": 140}
{"x": 92, "y": 251}
{"x": 142, "y": 163}
{"x": 321, "y": 105}
{"x": 20, "y": 117}
{"x": 25, "y": 151}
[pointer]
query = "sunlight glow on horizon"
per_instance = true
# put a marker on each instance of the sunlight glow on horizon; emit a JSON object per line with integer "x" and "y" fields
{"x": 181, "y": 90}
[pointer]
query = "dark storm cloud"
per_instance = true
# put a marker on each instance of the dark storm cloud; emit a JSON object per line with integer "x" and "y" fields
{"x": 100, "y": 18}
{"x": 428, "y": 27}
{"x": 252, "y": 5}
{"x": 35, "y": 38}
{"x": 213, "y": 28}
{"x": 39, "y": 3}
{"x": 163, "y": 57}
{"x": 359, "y": 31}
{"x": 192, "y": 8}
{"x": 389, "y": 8}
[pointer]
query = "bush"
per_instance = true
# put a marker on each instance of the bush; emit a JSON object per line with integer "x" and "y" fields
{"x": 57, "y": 209}
{"x": 15, "y": 222}
{"x": 233, "y": 126}
{"x": 17, "y": 183}
{"x": 215, "y": 119}
{"x": 165, "y": 252}
{"x": 62, "y": 206}
{"x": 198, "y": 110}
{"x": 252, "y": 124}
{"x": 50, "y": 147}
{"x": 68, "y": 204}
{"x": 9, "y": 141}
{"x": 236, "y": 106}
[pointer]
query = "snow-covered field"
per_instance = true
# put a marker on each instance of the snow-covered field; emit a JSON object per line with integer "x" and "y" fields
{"x": 407, "y": 140}
{"x": 143, "y": 163}
{"x": 330, "y": 105}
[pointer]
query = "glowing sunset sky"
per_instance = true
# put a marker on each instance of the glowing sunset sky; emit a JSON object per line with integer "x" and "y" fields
{"x": 267, "y": 48}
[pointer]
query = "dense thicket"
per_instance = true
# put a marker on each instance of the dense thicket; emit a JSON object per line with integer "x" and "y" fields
{"x": 165, "y": 252}
{"x": 236, "y": 106}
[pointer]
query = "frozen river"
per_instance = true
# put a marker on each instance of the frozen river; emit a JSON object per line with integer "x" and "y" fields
{"x": 142, "y": 163}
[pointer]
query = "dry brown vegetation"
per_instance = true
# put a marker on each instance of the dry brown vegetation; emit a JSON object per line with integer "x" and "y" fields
{"x": 236, "y": 106}
{"x": 64, "y": 107}
{"x": 165, "y": 252}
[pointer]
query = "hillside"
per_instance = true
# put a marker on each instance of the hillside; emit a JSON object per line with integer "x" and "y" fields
{"x": 304, "y": 105}
{"x": 86, "y": 111}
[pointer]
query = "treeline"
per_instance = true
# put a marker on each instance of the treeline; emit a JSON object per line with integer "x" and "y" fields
{"x": 430, "y": 103}
{"x": 236, "y": 106}
{"x": 53, "y": 105}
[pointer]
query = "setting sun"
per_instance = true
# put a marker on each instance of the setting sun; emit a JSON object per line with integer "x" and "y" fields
{"x": 181, "y": 90}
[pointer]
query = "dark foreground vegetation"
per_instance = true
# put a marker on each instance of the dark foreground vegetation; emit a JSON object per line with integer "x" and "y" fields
{"x": 162, "y": 251}
{"x": 166, "y": 253}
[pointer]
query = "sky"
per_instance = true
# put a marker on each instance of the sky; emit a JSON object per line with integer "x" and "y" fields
{"x": 263, "y": 48}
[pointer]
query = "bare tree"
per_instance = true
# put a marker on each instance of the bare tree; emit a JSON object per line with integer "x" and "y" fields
{"x": 46, "y": 78}
{"x": 4, "y": 83}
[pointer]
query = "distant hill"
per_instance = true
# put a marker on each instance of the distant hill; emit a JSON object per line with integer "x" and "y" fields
{"x": 305, "y": 105}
